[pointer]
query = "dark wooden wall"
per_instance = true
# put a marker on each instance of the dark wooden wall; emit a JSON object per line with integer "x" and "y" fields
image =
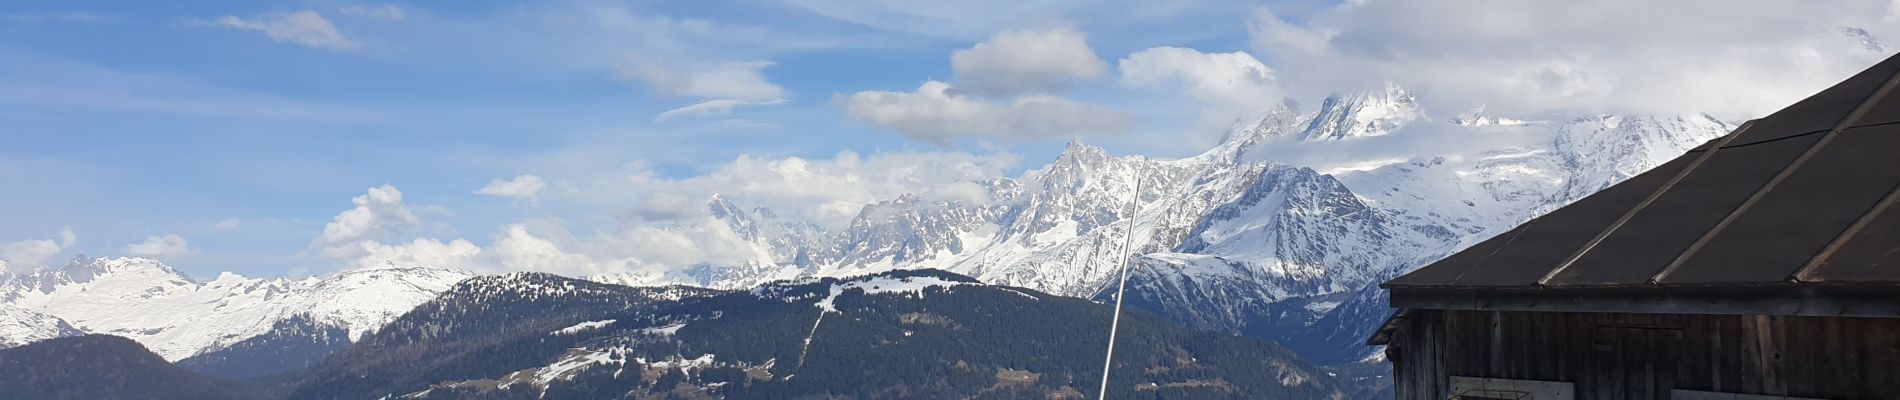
{"x": 1643, "y": 356}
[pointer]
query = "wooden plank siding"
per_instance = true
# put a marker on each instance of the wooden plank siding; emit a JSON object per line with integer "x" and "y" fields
{"x": 1636, "y": 356}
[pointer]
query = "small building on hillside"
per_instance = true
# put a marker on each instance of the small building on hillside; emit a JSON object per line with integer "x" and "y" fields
{"x": 1764, "y": 264}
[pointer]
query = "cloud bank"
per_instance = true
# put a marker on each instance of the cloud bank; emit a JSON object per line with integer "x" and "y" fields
{"x": 1731, "y": 59}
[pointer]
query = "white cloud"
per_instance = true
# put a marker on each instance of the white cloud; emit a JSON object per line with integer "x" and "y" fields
{"x": 33, "y": 253}
{"x": 935, "y": 115}
{"x": 517, "y": 249}
{"x": 717, "y": 80}
{"x": 28, "y": 254}
{"x": 456, "y": 253}
{"x": 546, "y": 246}
{"x": 1269, "y": 31}
{"x": 1019, "y": 61}
{"x": 228, "y": 224}
{"x": 1234, "y": 83}
{"x": 1002, "y": 92}
{"x": 711, "y": 108}
{"x": 1731, "y": 60}
{"x": 379, "y": 213}
{"x": 303, "y": 27}
{"x": 524, "y": 187}
{"x": 160, "y": 247}
{"x": 827, "y": 191}
{"x": 549, "y": 247}
{"x": 688, "y": 243}
{"x": 668, "y": 226}
{"x": 723, "y": 86}
{"x": 384, "y": 11}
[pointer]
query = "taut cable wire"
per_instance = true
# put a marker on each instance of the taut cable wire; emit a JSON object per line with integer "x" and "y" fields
{"x": 1115, "y": 323}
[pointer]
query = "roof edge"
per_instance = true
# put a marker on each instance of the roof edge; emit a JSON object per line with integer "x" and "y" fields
{"x": 1870, "y": 300}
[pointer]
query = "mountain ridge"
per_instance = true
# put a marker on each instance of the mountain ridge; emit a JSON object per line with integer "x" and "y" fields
{"x": 1231, "y": 240}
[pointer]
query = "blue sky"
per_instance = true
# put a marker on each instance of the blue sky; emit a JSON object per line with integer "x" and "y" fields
{"x": 228, "y": 135}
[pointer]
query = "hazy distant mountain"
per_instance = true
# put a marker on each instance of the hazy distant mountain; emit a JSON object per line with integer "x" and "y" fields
{"x": 290, "y": 345}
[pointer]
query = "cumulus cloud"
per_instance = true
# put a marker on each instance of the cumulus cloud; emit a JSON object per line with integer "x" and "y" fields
{"x": 160, "y": 247}
{"x": 518, "y": 249}
{"x": 378, "y": 214}
{"x": 458, "y": 253}
{"x": 665, "y": 221}
{"x": 682, "y": 244}
{"x": 33, "y": 253}
{"x": 934, "y": 114}
{"x": 1019, "y": 61}
{"x": 669, "y": 225}
{"x": 28, "y": 253}
{"x": 546, "y": 246}
{"x": 1720, "y": 57}
{"x": 524, "y": 187}
{"x": 1227, "y": 84}
{"x": 825, "y": 190}
{"x": 1003, "y": 91}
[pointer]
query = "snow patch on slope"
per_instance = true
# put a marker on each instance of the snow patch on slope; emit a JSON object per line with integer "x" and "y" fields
{"x": 584, "y": 326}
{"x": 884, "y": 285}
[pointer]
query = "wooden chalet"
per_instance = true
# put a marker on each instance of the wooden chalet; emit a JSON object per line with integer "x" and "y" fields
{"x": 1764, "y": 264}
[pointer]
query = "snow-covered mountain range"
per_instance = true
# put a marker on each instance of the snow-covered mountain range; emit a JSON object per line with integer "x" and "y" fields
{"x": 1240, "y": 239}
{"x": 177, "y": 317}
{"x": 1237, "y": 239}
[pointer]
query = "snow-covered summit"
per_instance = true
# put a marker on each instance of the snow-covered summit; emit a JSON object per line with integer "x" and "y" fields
{"x": 1363, "y": 114}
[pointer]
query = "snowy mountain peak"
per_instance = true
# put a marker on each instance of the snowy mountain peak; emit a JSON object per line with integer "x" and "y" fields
{"x": 1280, "y": 119}
{"x": 733, "y": 216}
{"x": 722, "y": 208}
{"x": 1478, "y": 117}
{"x": 1078, "y": 153}
{"x": 176, "y": 317}
{"x": 85, "y": 269}
{"x": 1366, "y": 113}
